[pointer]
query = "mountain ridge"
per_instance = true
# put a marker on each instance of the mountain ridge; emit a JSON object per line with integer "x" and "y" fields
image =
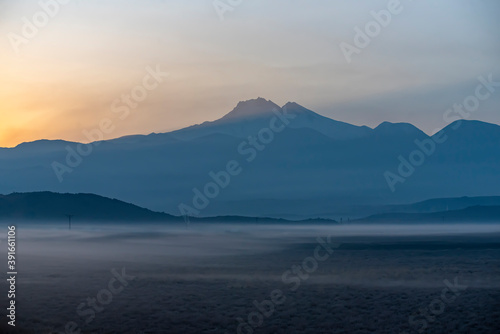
{"x": 473, "y": 214}
{"x": 46, "y": 206}
{"x": 260, "y": 104}
{"x": 325, "y": 164}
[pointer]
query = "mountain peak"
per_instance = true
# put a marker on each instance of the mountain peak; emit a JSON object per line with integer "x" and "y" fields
{"x": 388, "y": 128}
{"x": 298, "y": 109}
{"x": 251, "y": 108}
{"x": 467, "y": 129}
{"x": 293, "y": 105}
{"x": 471, "y": 125}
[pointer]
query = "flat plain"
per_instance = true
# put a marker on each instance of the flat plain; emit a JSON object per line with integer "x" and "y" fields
{"x": 258, "y": 279}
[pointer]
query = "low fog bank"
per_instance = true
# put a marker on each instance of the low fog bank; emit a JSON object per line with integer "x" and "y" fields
{"x": 197, "y": 241}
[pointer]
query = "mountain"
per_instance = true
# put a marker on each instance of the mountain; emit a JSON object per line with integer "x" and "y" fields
{"x": 356, "y": 211}
{"x": 474, "y": 214}
{"x": 312, "y": 167}
{"x": 90, "y": 208}
{"x": 395, "y": 130}
{"x": 48, "y": 206}
{"x": 307, "y": 119}
{"x": 443, "y": 204}
{"x": 249, "y": 117}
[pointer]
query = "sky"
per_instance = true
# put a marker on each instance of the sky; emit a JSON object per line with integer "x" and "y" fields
{"x": 65, "y": 77}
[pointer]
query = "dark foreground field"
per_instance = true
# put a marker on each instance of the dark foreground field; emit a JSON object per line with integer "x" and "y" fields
{"x": 256, "y": 279}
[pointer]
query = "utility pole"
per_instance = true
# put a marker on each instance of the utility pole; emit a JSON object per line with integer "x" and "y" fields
{"x": 187, "y": 221}
{"x": 69, "y": 220}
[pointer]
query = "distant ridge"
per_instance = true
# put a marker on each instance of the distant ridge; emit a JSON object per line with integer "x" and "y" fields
{"x": 49, "y": 206}
{"x": 444, "y": 204}
{"x": 89, "y": 208}
{"x": 474, "y": 214}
